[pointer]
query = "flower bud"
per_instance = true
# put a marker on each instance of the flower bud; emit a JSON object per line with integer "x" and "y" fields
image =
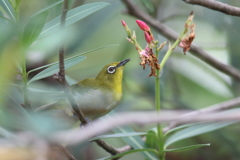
{"x": 123, "y": 23}
{"x": 129, "y": 40}
{"x": 143, "y": 25}
{"x": 151, "y": 36}
{"x": 147, "y": 37}
{"x": 134, "y": 35}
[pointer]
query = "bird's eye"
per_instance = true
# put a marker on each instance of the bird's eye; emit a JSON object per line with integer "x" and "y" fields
{"x": 111, "y": 69}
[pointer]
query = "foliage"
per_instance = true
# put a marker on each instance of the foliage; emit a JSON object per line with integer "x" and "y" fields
{"x": 28, "y": 59}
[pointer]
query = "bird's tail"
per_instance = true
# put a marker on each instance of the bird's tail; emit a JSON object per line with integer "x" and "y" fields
{"x": 46, "y": 107}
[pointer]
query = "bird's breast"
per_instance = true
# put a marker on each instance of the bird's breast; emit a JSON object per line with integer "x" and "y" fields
{"x": 95, "y": 103}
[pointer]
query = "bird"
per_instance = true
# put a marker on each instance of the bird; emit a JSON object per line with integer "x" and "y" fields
{"x": 95, "y": 96}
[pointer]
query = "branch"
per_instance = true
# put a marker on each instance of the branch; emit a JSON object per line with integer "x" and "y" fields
{"x": 218, "y": 6}
{"x": 214, "y": 108}
{"x": 66, "y": 153}
{"x": 134, "y": 10}
{"x": 60, "y": 77}
{"x": 140, "y": 118}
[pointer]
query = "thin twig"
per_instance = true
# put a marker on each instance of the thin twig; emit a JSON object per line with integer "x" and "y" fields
{"x": 134, "y": 10}
{"x": 66, "y": 153}
{"x": 60, "y": 77}
{"x": 216, "y": 5}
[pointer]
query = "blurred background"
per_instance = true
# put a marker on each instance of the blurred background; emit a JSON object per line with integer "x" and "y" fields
{"x": 186, "y": 81}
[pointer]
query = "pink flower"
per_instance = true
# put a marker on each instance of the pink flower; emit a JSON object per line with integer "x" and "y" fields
{"x": 143, "y": 26}
{"x": 123, "y": 23}
{"x": 144, "y": 53}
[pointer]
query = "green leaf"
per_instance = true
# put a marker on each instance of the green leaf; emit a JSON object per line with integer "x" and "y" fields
{"x": 151, "y": 138}
{"x": 70, "y": 80}
{"x": 5, "y": 133}
{"x": 46, "y": 8}
{"x": 55, "y": 68}
{"x": 43, "y": 91}
{"x": 118, "y": 135}
{"x": 73, "y": 16}
{"x": 19, "y": 67}
{"x": 196, "y": 130}
{"x": 16, "y": 105}
{"x": 136, "y": 142}
{"x": 3, "y": 20}
{"x": 8, "y": 8}
{"x": 130, "y": 152}
{"x": 48, "y": 65}
{"x": 179, "y": 127}
{"x": 187, "y": 148}
{"x": 33, "y": 28}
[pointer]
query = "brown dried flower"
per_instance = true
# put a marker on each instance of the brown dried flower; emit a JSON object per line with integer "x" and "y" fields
{"x": 150, "y": 59}
{"x": 187, "y": 41}
{"x": 190, "y": 34}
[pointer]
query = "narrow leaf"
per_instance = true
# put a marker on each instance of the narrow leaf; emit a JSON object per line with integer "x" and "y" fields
{"x": 19, "y": 67}
{"x": 118, "y": 135}
{"x": 8, "y": 8}
{"x": 33, "y": 28}
{"x": 17, "y": 105}
{"x": 187, "y": 148}
{"x": 136, "y": 142}
{"x": 195, "y": 130}
{"x": 179, "y": 128}
{"x": 70, "y": 80}
{"x": 5, "y": 133}
{"x": 47, "y": 8}
{"x": 48, "y": 65}
{"x": 73, "y": 16}
{"x": 3, "y": 20}
{"x": 42, "y": 91}
{"x": 130, "y": 152}
{"x": 55, "y": 68}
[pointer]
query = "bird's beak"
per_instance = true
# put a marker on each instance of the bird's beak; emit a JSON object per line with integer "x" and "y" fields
{"x": 122, "y": 63}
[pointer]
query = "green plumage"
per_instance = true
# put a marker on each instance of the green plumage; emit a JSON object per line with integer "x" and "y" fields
{"x": 95, "y": 96}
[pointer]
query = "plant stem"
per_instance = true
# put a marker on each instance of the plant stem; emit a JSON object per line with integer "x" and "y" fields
{"x": 17, "y": 14}
{"x": 27, "y": 104}
{"x": 157, "y": 88}
{"x": 171, "y": 48}
{"x": 158, "y": 108}
{"x": 158, "y": 96}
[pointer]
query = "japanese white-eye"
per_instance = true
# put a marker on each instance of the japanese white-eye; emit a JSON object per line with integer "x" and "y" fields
{"x": 95, "y": 96}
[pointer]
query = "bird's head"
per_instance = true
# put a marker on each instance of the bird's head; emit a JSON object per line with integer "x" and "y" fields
{"x": 111, "y": 74}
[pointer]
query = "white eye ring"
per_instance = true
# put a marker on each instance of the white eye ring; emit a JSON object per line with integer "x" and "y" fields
{"x": 111, "y": 69}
